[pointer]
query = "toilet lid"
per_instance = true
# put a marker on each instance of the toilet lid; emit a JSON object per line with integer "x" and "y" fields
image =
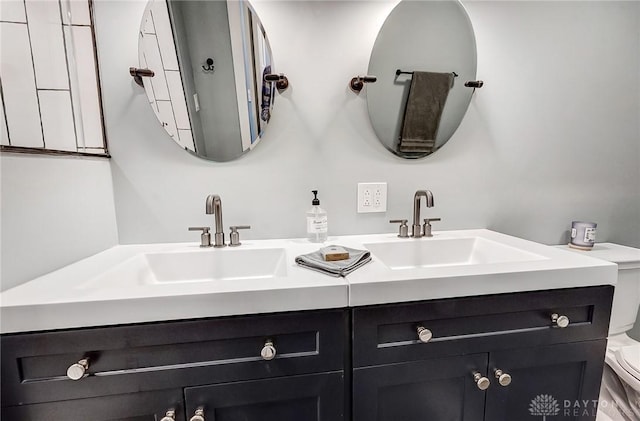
{"x": 629, "y": 358}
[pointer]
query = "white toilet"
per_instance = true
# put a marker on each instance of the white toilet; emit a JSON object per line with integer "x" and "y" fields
{"x": 620, "y": 391}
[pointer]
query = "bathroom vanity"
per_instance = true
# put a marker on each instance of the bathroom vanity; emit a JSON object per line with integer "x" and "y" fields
{"x": 437, "y": 348}
{"x": 481, "y": 358}
{"x": 280, "y": 366}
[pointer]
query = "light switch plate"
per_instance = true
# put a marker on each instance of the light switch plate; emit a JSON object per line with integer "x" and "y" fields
{"x": 372, "y": 197}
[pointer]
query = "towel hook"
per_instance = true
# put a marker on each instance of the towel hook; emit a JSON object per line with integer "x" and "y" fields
{"x": 357, "y": 83}
{"x": 209, "y": 67}
{"x": 281, "y": 81}
{"x": 138, "y": 74}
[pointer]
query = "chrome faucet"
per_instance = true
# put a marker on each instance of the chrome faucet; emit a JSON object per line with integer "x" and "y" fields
{"x": 416, "y": 229}
{"x": 214, "y": 206}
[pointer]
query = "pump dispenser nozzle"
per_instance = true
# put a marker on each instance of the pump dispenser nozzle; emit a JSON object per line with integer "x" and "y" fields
{"x": 315, "y": 198}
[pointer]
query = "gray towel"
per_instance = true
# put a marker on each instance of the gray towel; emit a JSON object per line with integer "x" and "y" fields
{"x": 314, "y": 261}
{"x": 427, "y": 95}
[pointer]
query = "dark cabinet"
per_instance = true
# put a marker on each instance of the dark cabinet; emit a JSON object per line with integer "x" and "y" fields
{"x": 497, "y": 358}
{"x": 559, "y": 380}
{"x": 562, "y": 381}
{"x": 315, "y": 397}
{"x": 435, "y": 360}
{"x": 142, "y": 406}
{"x": 139, "y": 372}
{"x": 389, "y": 333}
{"x": 435, "y": 389}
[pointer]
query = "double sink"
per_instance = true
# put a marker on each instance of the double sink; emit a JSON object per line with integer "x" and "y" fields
{"x": 140, "y": 283}
{"x": 223, "y": 265}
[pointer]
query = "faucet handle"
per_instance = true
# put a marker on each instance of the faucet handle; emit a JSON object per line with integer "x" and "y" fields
{"x": 427, "y": 226}
{"x": 205, "y": 237}
{"x": 235, "y": 236}
{"x": 403, "y": 230}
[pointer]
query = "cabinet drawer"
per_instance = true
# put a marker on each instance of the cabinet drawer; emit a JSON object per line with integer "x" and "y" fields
{"x": 147, "y": 406}
{"x": 311, "y": 397}
{"x": 157, "y": 356}
{"x": 389, "y": 333}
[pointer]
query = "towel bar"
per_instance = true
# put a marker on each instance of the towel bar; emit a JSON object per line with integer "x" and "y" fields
{"x": 402, "y": 72}
{"x": 469, "y": 84}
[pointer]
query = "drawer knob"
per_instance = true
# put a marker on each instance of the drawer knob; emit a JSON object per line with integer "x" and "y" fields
{"x": 268, "y": 351}
{"x": 77, "y": 370}
{"x": 482, "y": 382}
{"x": 424, "y": 334}
{"x": 169, "y": 416}
{"x": 504, "y": 379}
{"x": 560, "y": 320}
{"x": 198, "y": 415}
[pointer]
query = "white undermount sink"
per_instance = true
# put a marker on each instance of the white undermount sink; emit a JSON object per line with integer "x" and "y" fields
{"x": 210, "y": 265}
{"x": 439, "y": 252}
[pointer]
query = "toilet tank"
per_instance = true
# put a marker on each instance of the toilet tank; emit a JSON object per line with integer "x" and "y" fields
{"x": 626, "y": 298}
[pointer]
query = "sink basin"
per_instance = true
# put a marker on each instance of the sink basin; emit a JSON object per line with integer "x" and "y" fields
{"x": 435, "y": 252}
{"x": 211, "y": 265}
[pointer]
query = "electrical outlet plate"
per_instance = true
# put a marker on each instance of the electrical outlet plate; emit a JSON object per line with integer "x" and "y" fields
{"x": 372, "y": 197}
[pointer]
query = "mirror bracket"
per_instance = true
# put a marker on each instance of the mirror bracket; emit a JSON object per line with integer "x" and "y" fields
{"x": 138, "y": 74}
{"x": 281, "y": 81}
{"x": 357, "y": 83}
{"x": 474, "y": 84}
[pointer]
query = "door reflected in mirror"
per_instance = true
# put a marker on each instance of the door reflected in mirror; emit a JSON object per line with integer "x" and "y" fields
{"x": 209, "y": 60}
{"x": 422, "y": 57}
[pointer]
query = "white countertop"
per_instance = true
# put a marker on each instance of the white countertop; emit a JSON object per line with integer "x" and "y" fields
{"x": 553, "y": 269}
{"x": 60, "y": 299}
{"x": 96, "y": 291}
{"x": 625, "y": 257}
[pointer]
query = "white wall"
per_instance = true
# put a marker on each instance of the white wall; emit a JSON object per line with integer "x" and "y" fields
{"x": 55, "y": 211}
{"x": 552, "y": 137}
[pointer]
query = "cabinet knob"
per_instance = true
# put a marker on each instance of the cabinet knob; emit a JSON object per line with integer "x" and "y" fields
{"x": 424, "y": 334}
{"x": 504, "y": 379}
{"x": 169, "y": 416}
{"x": 198, "y": 415}
{"x": 560, "y": 320}
{"x": 482, "y": 382}
{"x": 77, "y": 370}
{"x": 268, "y": 351}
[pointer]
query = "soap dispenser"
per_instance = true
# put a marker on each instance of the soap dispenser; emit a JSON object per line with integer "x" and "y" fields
{"x": 316, "y": 221}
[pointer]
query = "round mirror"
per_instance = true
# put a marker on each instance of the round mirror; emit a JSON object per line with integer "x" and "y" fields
{"x": 422, "y": 58}
{"x": 209, "y": 60}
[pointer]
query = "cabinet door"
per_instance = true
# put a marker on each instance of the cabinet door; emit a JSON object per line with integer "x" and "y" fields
{"x": 559, "y": 382}
{"x": 147, "y": 406}
{"x": 439, "y": 389}
{"x": 314, "y": 397}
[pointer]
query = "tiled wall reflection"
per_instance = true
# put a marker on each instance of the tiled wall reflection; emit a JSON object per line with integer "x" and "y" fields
{"x": 165, "y": 93}
{"x": 50, "y": 89}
